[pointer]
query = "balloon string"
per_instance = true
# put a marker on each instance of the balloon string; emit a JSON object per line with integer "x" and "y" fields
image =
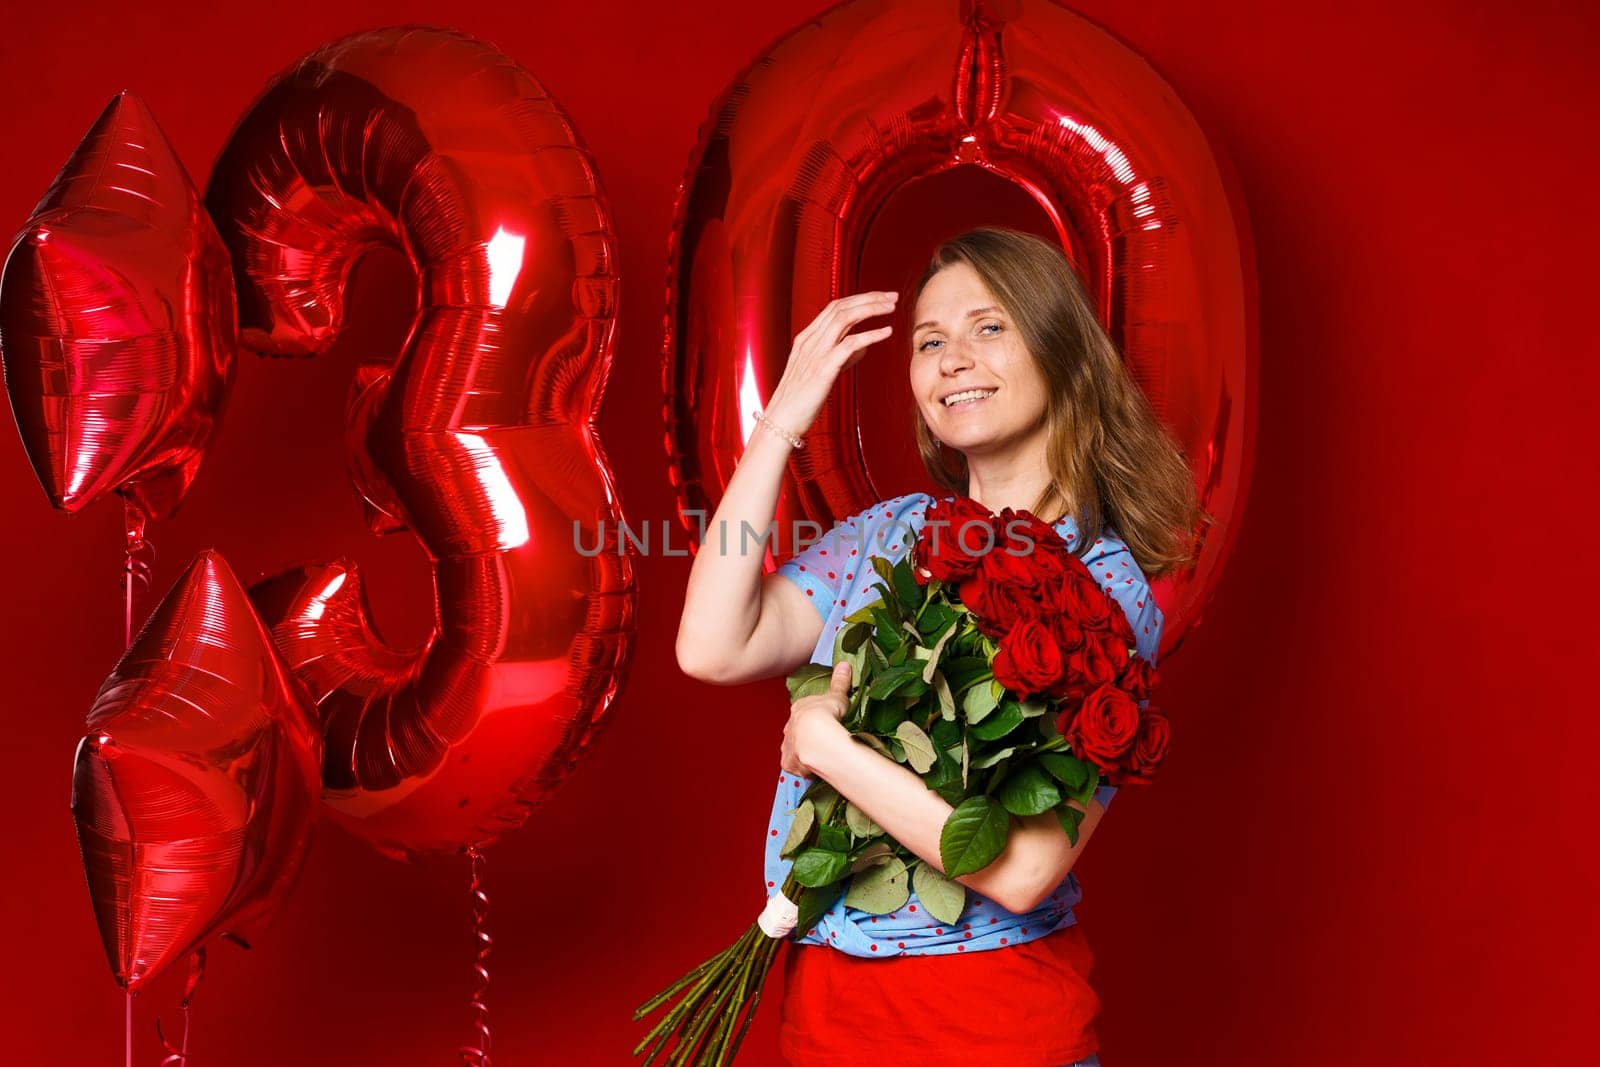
{"x": 179, "y": 1056}
{"x": 139, "y": 562}
{"x": 127, "y": 1028}
{"x": 478, "y": 1055}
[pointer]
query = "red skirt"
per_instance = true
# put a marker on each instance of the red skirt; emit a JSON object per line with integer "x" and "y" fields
{"x": 1027, "y": 1005}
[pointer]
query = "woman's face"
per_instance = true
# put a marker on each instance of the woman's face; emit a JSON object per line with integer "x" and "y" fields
{"x": 978, "y": 388}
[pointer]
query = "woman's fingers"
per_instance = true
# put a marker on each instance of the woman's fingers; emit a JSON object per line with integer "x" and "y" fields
{"x": 857, "y": 341}
{"x": 840, "y": 315}
{"x": 848, "y": 315}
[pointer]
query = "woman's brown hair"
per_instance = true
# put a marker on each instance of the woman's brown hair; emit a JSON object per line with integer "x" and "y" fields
{"x": 1110, "y": 458}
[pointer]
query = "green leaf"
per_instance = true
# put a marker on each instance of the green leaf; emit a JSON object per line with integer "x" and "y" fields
{"x": 945, "y": 733}
{"x": 978, "y": 703}
{"x": 808, "y": 680}
{"x": 1029, "y": 791}
{"x": 963, "y": 671}
{"x": 820, "y": 866}
{"x": 1034, "y": 706}
{"x": 851, "y": 637}
{"x": 881, "y": 889}
{"x": 1068, "y": 770}
{"x": 989, "y": 759}
{"x": 833, "y": 838}
{"x": 805, "y": 817}
{"x": 937, "y": 651}
{"x": 824, "y": 796}
{"x": 954, "y": 791}
{"x": 941, "y": 897}
{"x": 894, "y": 679}
{"x": 947, "y": 702}
{"x": 1002, "y": 722}
{"x": 936, "y": 617}
{"x": 919, "y": 749}
{"x": 861, "y": 614}
{"x": 947, "y": 769}
{"x": 870, "y": 854}
{"x": 905, "y": 584}
{"x": 886, "y": 632}
{"x": 973, "y": 835}
{"x": 1070, "y": 818}
{"x": 885, "y": 717}
{"x": 814, "y": 904}
{"x": 860, "y": 822}
{"x": 885, "y": 570}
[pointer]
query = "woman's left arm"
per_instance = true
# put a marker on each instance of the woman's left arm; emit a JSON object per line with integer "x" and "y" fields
{"x": 1037, "y": 856}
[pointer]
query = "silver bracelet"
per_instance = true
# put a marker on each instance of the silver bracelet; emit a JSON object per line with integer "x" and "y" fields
{"x": 794, "y": 442}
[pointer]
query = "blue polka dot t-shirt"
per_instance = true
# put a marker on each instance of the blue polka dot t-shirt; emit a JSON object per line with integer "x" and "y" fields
{"x": 834, "y": 574}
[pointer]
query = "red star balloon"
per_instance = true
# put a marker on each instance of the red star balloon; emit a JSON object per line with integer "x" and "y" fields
{"x": 117, "y": 321}
{"x": 195, "y": 789}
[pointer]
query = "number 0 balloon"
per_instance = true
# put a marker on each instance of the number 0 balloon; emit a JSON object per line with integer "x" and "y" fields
{"x": 479, "y": 437}
{"x": 816, "y": 135}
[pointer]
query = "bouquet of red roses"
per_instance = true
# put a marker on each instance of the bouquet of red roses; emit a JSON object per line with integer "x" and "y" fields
{"x": 997, "y": 668}
{"x": 1053, "y": 631}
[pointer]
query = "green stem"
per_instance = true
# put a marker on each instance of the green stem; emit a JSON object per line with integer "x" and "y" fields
{"x": 684, "y": 1053}
{"x": 666, "y": 994}
{"x": 665, "y": 1028}
{"x": 754, "y": 967}
{"x": 770, "y": 951}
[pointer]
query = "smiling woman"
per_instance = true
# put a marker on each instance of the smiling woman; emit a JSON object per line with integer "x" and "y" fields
{"x": 1022, "y": 401}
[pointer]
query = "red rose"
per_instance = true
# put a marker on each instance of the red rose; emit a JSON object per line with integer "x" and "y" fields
{"x": 1138, "y": 678}
{"x": 1074, "y": 593}
{"x": 1095, "y": 606}
{"x": 1116, "y": 651}
{"x": 1105, "y": 727}
{"x": 1092, "y": 664}
{"x": 954, "y": 538}
{"x": 1028, "y": 660}
{"x": 1037, "y": 542}
{"x": 1007, "y": 565}
{"x": 997, "y": 606}
{"x": 1069, "y": 635}
{"x": 1149, "y": 750}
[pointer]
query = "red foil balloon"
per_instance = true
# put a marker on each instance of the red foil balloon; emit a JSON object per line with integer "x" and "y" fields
{"x": 479, "y": 437}
{"x": 117, "y": 321}
{"x": 195, "y": 789}
{"x": 808, "y": 144}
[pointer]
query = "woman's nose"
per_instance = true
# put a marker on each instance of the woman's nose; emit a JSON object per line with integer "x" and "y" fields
{"x": 955, "y": 358}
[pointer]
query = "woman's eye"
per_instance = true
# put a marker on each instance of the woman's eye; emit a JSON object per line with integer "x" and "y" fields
{"x": 995, "y": 326}
{"x": 923, "y": 347}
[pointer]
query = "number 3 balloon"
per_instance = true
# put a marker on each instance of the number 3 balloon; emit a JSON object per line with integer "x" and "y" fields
{"x": 479, "y": 438}
{"x": 816, "y": 135}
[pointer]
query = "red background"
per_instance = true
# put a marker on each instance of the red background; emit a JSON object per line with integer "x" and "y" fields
{"x": 1374, "y": 843}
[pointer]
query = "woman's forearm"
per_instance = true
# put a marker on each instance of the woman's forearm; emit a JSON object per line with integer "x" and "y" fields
{"x": 722, "y": 603}
{"x": 1037, "y": 856}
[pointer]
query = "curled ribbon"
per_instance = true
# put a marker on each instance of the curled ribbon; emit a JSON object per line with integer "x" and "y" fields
{"x": 178, "y": 1055}
{"x": 478, "y": 1055}
{"x": 139, "y": 563}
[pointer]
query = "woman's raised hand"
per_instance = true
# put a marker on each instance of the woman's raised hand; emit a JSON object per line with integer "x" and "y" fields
{"x": 820, "y": 352}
